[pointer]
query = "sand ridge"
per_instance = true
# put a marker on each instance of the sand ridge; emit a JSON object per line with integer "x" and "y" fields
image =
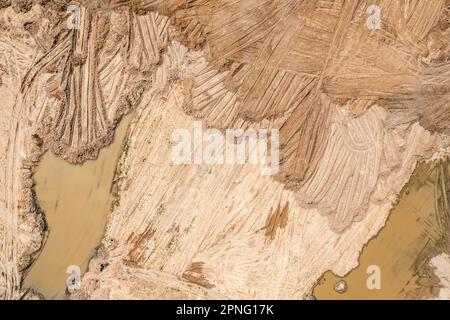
{"x": 356, "y": 108}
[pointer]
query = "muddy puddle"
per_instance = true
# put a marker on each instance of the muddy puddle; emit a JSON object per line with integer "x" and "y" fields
{"x": 76, "y": 201}
{"x": 390, "y": 264}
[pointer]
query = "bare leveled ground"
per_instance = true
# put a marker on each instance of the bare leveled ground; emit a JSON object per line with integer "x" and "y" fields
{"x": 357, "y": 110}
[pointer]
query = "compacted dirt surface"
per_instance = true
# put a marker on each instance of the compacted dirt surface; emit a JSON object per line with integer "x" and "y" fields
{"x": 358, "y": 89}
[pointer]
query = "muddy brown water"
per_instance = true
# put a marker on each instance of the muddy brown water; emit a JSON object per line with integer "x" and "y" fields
{"x": 413, "y": 228}
{"x": 76, "y": 201}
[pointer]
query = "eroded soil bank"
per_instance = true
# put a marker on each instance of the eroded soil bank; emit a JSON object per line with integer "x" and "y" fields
{"x": 415, "y": 231}
{"x": 76, "y": 201}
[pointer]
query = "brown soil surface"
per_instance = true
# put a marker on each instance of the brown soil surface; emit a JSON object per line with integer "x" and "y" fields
{"x": 357, "y": 110}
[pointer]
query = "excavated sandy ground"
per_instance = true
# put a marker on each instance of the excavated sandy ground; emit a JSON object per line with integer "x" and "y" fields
{"x": 357, "y": 109}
